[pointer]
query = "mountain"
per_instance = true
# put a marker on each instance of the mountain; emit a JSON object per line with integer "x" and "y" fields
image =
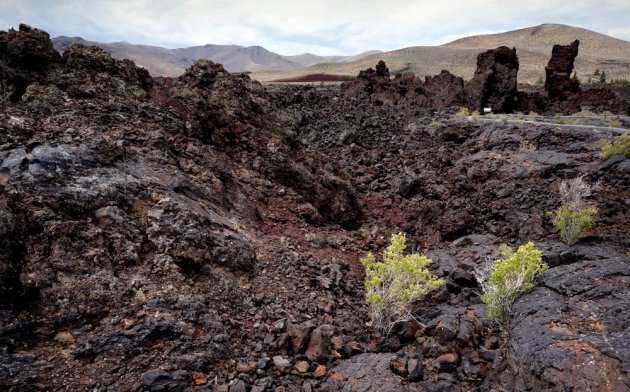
{"x": 172, "y": 62}
{"x": 533, "y": 44}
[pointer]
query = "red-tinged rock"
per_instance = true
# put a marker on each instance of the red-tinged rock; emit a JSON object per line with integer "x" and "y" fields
{"x": 199, "y": 378}
{"x": 299, "y": 334}
{"x": 320, "y": 371}
{"x": 447, "y": 363}
{"x": 398, "y": 366}
{"x": 319, "y": 343}
{"x": 246, "y": 367}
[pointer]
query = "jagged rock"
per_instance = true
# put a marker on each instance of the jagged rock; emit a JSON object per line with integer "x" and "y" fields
{"x": 442, "y": 91}
{"x": 25, "y": 56}
{"x": 558, "y": 83}
{"x": 494, "y": 82}
{"x": 319, "y": 343}
{"x": 93, "y": 59}
{"x": 299, "y": 334}
{"x": 437, "y": 92}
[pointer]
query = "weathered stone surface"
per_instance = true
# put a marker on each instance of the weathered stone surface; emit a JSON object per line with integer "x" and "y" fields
{"x": 574, "y": 321}
{"x": 366, "y": 372}
{"x": 25, "y": 55}
{"x": 494, "y": 82}
{"x": 558, "y": 83}
{"x": 299, "y": 334}
{"x": 442, "y": 91}
{"x": 319, "y": 343}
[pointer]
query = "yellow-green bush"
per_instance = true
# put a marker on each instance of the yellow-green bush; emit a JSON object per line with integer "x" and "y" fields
{"x": 507, "y": 278}
{"x": 391, "y": 285}
{"x": 572, "y": 223}
{"x": 614, "y": 123}
{"x": 621, "y": 146}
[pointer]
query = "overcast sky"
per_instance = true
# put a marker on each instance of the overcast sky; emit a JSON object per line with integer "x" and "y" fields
{"x": 323, "y": 27}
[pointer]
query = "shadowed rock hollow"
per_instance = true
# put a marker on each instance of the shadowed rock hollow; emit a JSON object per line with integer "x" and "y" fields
{"x": 204, "y": 233}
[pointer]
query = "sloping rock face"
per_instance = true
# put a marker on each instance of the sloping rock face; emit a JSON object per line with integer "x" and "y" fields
{"x": 494, "y": 82}
{"x": 558, "y": 83}
{"x": 572, "y": 332}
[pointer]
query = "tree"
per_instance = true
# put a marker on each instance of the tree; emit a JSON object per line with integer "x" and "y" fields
{"x": 602, "y": 77}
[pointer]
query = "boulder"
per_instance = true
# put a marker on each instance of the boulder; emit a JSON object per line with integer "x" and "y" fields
{"x": 494, "y": 83}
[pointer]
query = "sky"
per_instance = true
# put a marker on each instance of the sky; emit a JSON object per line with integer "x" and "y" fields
{"x": 323, "y": 27}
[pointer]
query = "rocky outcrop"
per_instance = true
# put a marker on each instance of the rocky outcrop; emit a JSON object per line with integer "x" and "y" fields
{"x": 25, "y": 55}
{"x": 494, "y": 82}
{"x": 558, "y": 83}
{"x": 435, "y": 93}
{"x": 94, "y": 60}
{"x": 442, "y": 91}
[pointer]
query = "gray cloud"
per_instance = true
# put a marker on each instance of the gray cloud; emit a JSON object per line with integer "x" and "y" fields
{"x": 291, "y": 27}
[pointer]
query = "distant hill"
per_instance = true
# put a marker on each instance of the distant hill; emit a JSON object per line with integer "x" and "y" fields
{"x": 533, "y": 44}
{"x": 172, "y": 62}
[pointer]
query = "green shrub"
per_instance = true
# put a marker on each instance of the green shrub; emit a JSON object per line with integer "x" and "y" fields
{"x": 614, "y": 123}
{"x": 572, "y": 223}
{"x": 508, "y": 277}
{"x": 393, "y": 284}
{"x": 463, "y": 112}
{"x": 621, "y": 146}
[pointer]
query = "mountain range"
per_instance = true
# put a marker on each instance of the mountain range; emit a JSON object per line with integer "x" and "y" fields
{"x": 597, "y": 52}
{"x": 172, "y": 62}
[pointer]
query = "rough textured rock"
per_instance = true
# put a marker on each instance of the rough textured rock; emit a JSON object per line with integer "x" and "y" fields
{"x": 494, "y": 82}
{"x": 192, "y": 238}
{"x": 25, "y": 55}
{"x": 437, "y": 92}
{"x": 558, "y": 83}
{"x": 576, "y": 319}
{"x": 442, "y": 91}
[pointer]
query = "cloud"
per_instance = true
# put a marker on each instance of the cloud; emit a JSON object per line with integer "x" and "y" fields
{"x": 292, "y": 27}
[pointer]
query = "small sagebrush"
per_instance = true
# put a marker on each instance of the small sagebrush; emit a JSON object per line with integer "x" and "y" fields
{"x": 393, "y": 284}
{"x": 573, "y": 218}
{"x": 620, "y": 146}
{"x": 503, "y": 280}
{"x": 573, "y": 224}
